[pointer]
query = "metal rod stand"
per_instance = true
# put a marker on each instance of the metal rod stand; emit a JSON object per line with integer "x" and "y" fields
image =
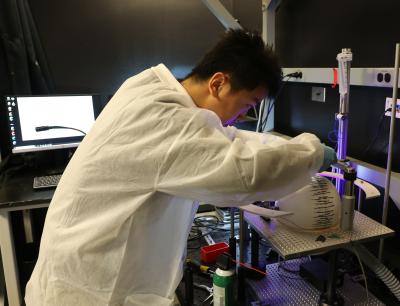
{"x": 390, "y": 148}
{"x": 232, "y": 239}
{"x": 188, "y": 276}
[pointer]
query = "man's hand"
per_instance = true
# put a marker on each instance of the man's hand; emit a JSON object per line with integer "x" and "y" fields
{"x": 329, "y": 158}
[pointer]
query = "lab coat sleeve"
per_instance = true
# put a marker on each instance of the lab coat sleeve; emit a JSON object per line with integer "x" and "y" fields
{"x": 204, "y": 164}
{"x": 265, "y": 138}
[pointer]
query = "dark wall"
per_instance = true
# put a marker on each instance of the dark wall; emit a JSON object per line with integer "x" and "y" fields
{"x": 95, "y": 46}
{"x": 92, "y": 47}
{"x": 295, "y": 112}
{"x": 310, "y": 33}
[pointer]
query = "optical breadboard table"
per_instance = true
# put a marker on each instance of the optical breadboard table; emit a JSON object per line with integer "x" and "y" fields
{"x": 16, "y": 194}
{"x": 284, "y": 288}
{"x": 289, "y": 243}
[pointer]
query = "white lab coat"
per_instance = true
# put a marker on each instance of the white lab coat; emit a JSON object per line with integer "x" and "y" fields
{"x": 116, "y": 229}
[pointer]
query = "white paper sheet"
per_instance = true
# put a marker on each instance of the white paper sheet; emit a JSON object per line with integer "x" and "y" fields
{"x": 265, "y": 212}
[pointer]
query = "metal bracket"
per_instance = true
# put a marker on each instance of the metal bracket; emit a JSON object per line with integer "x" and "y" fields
{"x": 269, "y": 8}
{"x": 222, "y": 14}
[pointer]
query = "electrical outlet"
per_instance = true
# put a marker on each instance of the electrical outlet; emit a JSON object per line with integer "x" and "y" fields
{"x": 383, "y": 77}
{"x": 388, "y": 104}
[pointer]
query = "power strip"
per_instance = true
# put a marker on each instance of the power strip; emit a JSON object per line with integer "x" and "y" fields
{"x": 375, "y": 77}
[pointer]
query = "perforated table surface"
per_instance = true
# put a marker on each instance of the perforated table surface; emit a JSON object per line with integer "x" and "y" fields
{"x": 290, "y": 243}
{"x": 283, "y": 288}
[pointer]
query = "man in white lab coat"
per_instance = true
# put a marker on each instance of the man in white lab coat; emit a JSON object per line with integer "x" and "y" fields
{"x": 116, "y": 229}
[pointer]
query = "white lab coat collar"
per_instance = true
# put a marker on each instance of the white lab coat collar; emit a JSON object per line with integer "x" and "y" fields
{"x": 166, "y": 76}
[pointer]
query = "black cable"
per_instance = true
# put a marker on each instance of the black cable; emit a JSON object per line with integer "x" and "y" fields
{"x": 50, "y": 127}
{"x": 386, "y": 131}
{"x": 194, "y": 236}
{"x": 210, "y": 224}
{"x": 377, "y": 132}
{"x": 281, "y": 266}
{"x": 270, "y": 106}
{"x": 296, "y": 75}
{"x": 333, "y": 134}
{"x": 199, "y": 236}
{"x": 271, "y": 103}
{"x": 5, "y": 175}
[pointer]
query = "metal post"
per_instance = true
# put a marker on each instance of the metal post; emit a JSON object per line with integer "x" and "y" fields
{"x": 255, "y": 238}
{"x": 260, "y": 116}
{"x": 28, "y": 228}
{"x": 344, "y": 60}
{"x": 331, "y": 290}
{"x": 241, "y": 276}
{"x": 390, "y": 149}
{"x": 348, "y": 201}
{"x": 232, "y": 212}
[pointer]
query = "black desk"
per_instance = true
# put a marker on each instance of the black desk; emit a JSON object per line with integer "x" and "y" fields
{"x": 16, "y": 194}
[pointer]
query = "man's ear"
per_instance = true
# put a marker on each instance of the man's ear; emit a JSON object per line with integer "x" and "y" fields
{"x": 216, "y": 82}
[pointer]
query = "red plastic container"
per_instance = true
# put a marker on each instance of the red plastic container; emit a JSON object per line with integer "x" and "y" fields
{"x": 209, "y": 253}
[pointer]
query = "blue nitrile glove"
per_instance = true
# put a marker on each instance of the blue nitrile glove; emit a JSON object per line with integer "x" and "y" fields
{"x": 329, "y": 158}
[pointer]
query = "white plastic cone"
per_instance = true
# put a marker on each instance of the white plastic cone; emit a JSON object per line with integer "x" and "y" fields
{"x": 314, "y": 207}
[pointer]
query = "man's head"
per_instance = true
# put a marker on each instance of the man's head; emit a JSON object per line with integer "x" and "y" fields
{"x": 235, "y": 75}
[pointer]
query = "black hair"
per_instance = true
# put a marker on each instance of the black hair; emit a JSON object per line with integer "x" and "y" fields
{"x": 244, "y": 56}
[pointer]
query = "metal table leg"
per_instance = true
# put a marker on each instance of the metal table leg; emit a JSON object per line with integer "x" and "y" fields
{"x": 232, "y": 239}
{"x": 2, "y": 285}
{"x": 331, "y": 297}
{"x": 241, "y": 281}
{"x": 10, "y": 266}
{"x": 255, "y": 239}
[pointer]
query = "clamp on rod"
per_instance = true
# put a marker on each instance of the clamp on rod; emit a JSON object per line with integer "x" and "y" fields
{"x": 348, "y": 197}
